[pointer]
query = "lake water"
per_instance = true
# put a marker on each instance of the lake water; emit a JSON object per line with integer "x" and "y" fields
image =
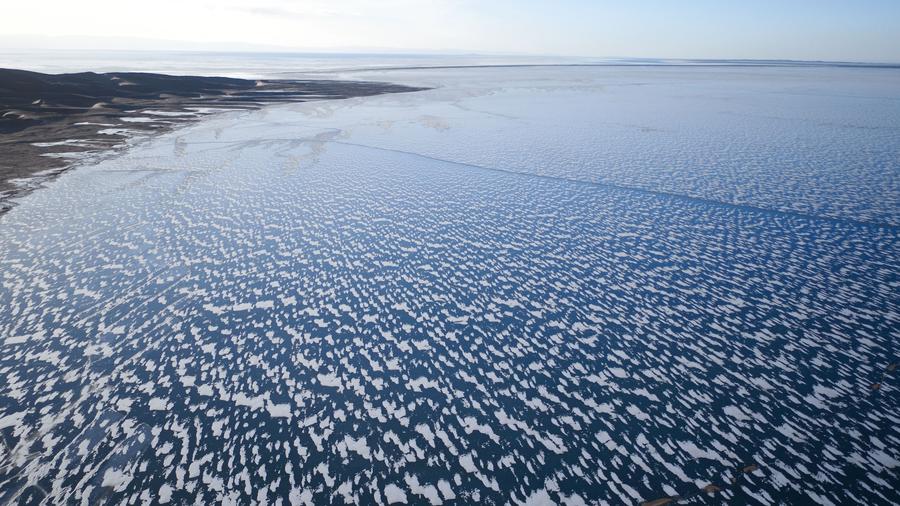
{"x": 538, "y": 285}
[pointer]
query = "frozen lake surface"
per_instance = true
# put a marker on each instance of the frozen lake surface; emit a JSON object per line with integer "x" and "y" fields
{"x": 567, "y": 285}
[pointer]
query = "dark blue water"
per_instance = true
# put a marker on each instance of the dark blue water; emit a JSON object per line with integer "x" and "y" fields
{"x": 251, "y": 311}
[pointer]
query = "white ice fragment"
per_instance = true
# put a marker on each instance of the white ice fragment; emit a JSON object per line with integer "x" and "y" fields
{"x": 446, "y": 490}
{"x": 429, "y": 492}
{"x": 279, "y": 410}
{"x": 539, "y": 498}
{"x": 573, "y": 500}
{"x": 115, "y": 478}
{"x": 257, "y": 402}
{"x": 157, "y": 404}
{"x": 736, "y": 413}
{"x": 12, "y": 420}
{"x": 394, "y": 494}
{"x": 329, "y": 380}
{"x": 299, "y": 497}
{"x": 165, "y": 493}
{"x": 124, "y": 405}
{"x": 359, "y": 446}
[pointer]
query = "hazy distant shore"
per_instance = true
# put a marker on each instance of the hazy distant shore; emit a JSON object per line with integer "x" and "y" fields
{"x": 48, "y": 121}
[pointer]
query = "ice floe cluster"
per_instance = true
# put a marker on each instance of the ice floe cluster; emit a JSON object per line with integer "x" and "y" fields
{"x": 259, "y": 310}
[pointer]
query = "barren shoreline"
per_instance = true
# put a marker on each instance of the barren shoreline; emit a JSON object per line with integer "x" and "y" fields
{"x": 47, "y": 121}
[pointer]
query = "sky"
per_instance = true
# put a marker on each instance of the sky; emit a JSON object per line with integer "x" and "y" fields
{"x": 851, "y": 30}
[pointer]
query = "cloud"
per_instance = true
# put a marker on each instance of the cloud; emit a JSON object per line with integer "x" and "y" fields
{"x": 345, "y": 8}
{"x": 305, "y": 11}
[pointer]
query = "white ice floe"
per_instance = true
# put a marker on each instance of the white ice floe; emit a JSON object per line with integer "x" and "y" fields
{"x": 394, "y": 494}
